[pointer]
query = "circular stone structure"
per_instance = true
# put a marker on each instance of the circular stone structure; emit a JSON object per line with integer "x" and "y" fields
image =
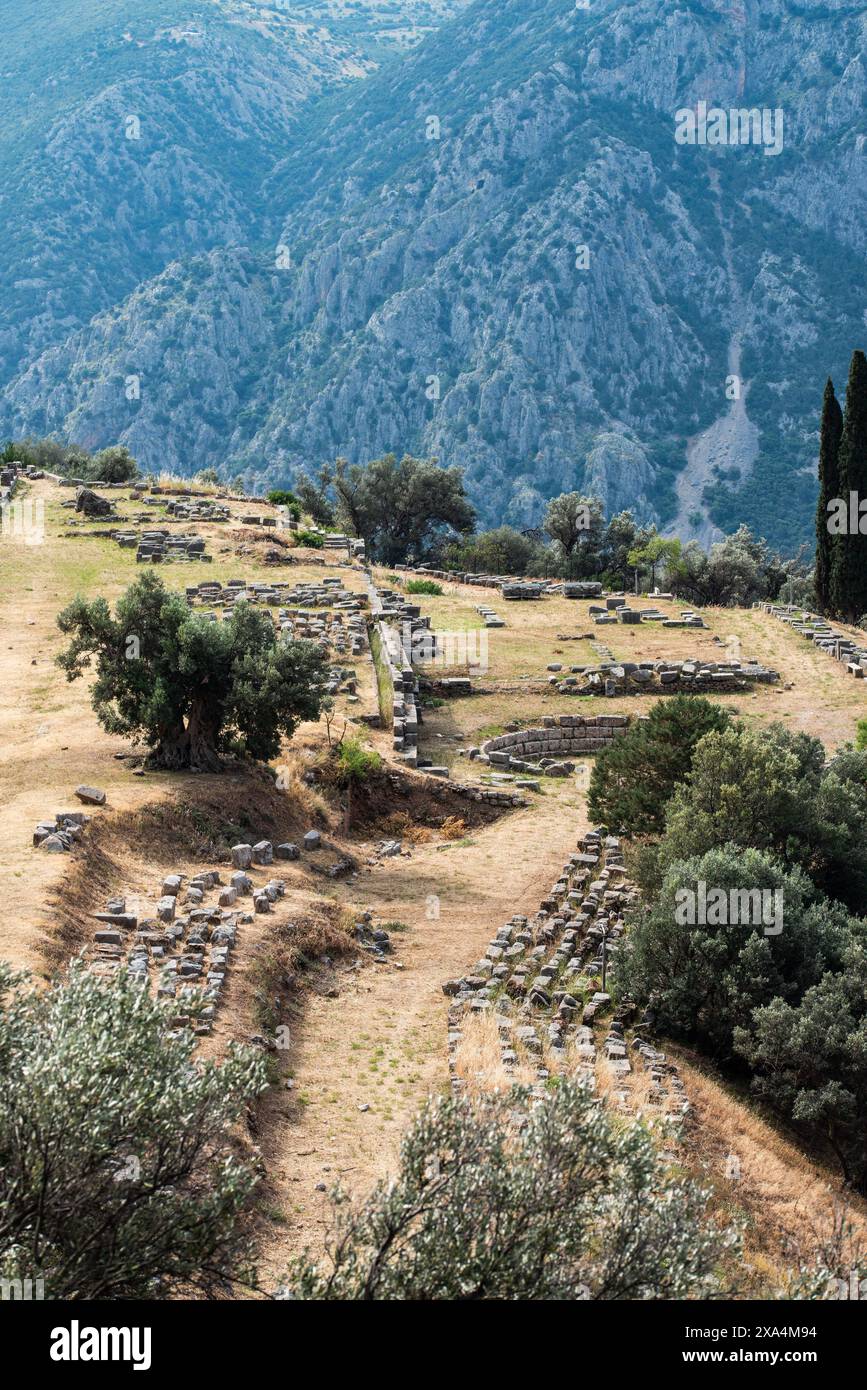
{"x": 558, "y": 736}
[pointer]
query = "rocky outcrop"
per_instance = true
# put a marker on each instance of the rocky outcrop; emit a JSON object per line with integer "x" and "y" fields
{"x": 501, "y": 257}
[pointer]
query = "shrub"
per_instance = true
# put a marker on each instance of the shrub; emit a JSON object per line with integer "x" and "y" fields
{"x": 354, "y": 763}
{"x": 424, "y": 586}
{"x": 504, "y": 1198}
{"x": 282, "y": 498}
{"x": 117, "y": 1179}
{"x": 309, "y": 540}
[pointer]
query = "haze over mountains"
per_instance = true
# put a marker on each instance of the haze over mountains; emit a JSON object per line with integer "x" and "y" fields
{"x": 258, "y": 237}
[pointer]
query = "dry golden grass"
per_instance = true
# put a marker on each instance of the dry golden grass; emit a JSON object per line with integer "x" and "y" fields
{"x": 792, "y": 1205}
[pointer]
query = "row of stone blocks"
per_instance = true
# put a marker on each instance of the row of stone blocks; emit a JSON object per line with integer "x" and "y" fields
{"x": 818, "y": 631}
{"x": 542, "y": 978}
{"x": 565, "y": 733}
{"x": 661, "y": 677}
{"x": 187, "y": 941}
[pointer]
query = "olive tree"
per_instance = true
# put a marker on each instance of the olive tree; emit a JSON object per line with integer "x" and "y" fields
{"x": 506, "y": 1197}
{"x": 117, "y": 1174}
{"x": 189, "y": 688}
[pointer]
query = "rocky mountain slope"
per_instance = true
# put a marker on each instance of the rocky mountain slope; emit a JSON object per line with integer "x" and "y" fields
{"x": 491, "y": 249}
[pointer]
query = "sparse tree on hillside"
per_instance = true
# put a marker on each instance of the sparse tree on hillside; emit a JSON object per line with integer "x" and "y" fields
{"x": 636, "y": 775}
{"x": 810, "y": 1060}
{"x": 771, "y": 789}
{"x": 118, "y": 1179}
{"x": 501, "y": 551}
{"x": 569, "y": 520}
{"x": 708, "y": 958}
{"x": 191, "y": 689}
{"x": 314, "y": 497}
{"x": 829, "y": 487}
{"x": 657, "y": 550}
{"x": 113, "y": 465}
{"x": 401, "y": 508}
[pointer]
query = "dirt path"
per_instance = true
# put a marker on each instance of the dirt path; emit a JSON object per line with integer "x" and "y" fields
{"x": 382, "y": 1042}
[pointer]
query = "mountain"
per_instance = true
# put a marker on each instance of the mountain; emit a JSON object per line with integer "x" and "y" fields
{"x": 492, "y": 249}
{"x": 136, "y": 133}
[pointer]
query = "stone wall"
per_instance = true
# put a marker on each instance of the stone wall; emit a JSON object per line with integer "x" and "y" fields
{"x": 664, "y": 677}
{"x": 558, "y": 737}
{"x": 388, "y": 614}
{"x": 542, "y": 978}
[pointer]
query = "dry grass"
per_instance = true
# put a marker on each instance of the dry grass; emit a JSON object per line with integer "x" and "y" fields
{"x": 790, "y": 1203}
{"x": 478, "y": 1057}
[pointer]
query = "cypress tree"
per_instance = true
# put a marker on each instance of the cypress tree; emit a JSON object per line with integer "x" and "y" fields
{"x": 829, "y": 486}
{"x": 849, "y": 549}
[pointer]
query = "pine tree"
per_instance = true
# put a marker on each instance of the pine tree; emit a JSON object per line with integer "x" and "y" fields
{"x": 849, "y": 549}
{"x": 829, "y": 486}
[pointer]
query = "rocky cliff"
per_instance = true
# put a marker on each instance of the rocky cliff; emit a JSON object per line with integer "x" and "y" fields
{"x": 492, "y": 248}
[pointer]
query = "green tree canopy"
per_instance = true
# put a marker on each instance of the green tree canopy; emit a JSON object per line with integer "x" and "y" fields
{"x": 770, "y": 789}
{"x": 810, "y": 1060}
{"x": 189, "y": 688}
{"x": 705, "y": 978}
{"x": 501, "y": 551}
{"x": 400, "y": 508}
{"x": 634, "y": 778}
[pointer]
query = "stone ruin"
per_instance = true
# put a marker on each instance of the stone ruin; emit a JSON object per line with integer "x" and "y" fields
{"x": 194, "y": 508}
{"x": 582, "y": 588}
{"x": 818, "y": 631}
{"x": 542, "y": 751}
{"x": 184, "y": 942}
{"x": 341, "y": 629}
{"x": 159, "y": 546}
{"x": 541, "y": 978}
{"x": 662, "y": 677}
{"x": 489, "y": 617}
{"x": 89, "y": 503}
{"x": 618, "y": 610}
{"x": 522, "y": 589}
{"x": 402, "y": 633}
{"x": 59, "y": 834}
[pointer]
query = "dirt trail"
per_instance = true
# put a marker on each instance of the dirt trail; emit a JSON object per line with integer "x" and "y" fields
{"x": 382, "y": 1042}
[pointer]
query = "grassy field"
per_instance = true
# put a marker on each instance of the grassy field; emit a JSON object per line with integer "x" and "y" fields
{"x": 814, "y": 693}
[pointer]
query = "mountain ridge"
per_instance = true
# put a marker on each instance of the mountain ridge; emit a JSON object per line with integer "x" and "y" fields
{"x": 407, "y": 293}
